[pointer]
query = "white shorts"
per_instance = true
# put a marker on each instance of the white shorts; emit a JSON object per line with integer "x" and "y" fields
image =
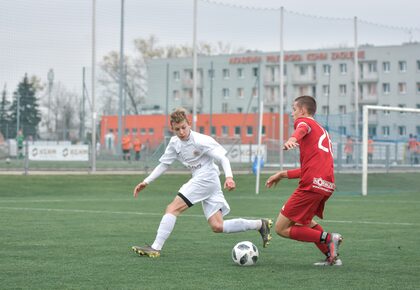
{"x": 208, "y": 192}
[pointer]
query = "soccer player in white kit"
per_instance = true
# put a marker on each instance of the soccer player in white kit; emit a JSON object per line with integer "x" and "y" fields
{"x": 198, "y": 153}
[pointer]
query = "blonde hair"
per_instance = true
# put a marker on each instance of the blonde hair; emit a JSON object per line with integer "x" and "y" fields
{"x": 178, "y": 116}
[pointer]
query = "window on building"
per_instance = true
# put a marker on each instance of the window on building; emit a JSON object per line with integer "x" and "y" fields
{"x": 240, "y": 72}
{"x": 255, "y": 71}
{"x": 254, "y": 91}
{"x": 401, "y": 106}
{"x": 142, "y": 131}
{"x": 225, "y": 93}
{"x": 386, "y": 112}
{"x": 371, "y": 89}
{"x": 176, "y": 75}
{"x": 188, "y": 74}
{"x": 343, "y": 68}
{"x": 402, "y": 65}
{"x": 249, "y": 130}
{"x": 418, "y": 65}
{"x": 225, "y": 131}
{"x": 175, "y": 94}
{"x": 372, "y": 67}
{"x": 239, "y": 110}
{"x": 343, "y": 90}
{"x": 213, "y": 131}
{"x": 134, "y": 131}
{"x": 127, "y": 131}
{"x": 386, "y": 66}
{"x": 225, "y": 107}
{"x": 326, "y": 90}
{"x": 325, "y": 110}
{"x": 211, "y": 74}
{"x": 385, "y": 131}
{"x": 372, "y": 131}
{"x": 241, "y": 93}
{"x": 402, "y": 88}
{"x": 386, "y": 88}
{"x": 201, "y": 129}
{"x": 418, "y": 106}
{"x": 342, "y": 109}
{"x": 303, "y": 69}
{"x": 326, "y": 68}
{"x": 285, "y": 70}
{"x": 226, "y": 73}
{"x": 151, "y": 131}
{"x": 418, "y": 130}
{"x": 342, "y": 130}
{"x": 418, "y": 88}
{"x": 237, "y": 131}
{"x": 263, "y": 130}
{"x": 402, "y": 131}
{"x": 272, "y": 74}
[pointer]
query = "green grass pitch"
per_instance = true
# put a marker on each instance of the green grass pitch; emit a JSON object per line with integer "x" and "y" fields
{"x": 75, "y": 232}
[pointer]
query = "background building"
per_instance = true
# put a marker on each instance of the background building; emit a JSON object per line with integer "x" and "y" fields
{"x": 388, "y": 76}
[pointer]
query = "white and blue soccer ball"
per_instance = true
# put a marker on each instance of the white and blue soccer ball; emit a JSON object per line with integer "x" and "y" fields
{"x": 245, "y": 253}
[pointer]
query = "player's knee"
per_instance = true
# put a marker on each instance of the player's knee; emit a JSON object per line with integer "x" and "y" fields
{"x": 217, "y": 228}
{"x": 281, "y": 231}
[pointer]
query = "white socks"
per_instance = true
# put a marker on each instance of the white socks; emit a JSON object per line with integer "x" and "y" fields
{"x": 240, "y": 225}
{"x": 165, "y": 229}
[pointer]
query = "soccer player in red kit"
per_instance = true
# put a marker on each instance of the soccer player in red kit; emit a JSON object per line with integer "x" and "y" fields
{"x": 316, "y": 185}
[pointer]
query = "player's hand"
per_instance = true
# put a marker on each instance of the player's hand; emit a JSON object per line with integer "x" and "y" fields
{"x": 139, "y": 187}
{"x": 229, "y": 184}
{"x": 274, "y": 179}
{"x": 290, "y": 144}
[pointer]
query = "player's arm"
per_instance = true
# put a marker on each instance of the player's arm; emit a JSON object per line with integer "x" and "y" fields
{"x": 220, "y": 157}
{"x": 289, "y": 174}
{"x": 302, "y": 129}
{"x": 158, "y": 171}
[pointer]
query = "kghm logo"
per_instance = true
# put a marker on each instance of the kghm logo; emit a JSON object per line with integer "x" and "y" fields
{"x": 319, "y": 182}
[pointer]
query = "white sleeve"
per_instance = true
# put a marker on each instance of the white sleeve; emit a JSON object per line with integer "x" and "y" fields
{"x": 219, "y": 154}
{"x": 161, "y": 168}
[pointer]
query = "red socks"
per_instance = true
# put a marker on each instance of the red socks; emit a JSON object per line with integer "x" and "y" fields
{"x": 311, "y": 235}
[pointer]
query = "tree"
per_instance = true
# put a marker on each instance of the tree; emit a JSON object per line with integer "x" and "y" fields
{"x": 135, "y": 84}
{"x": 4, "y": 116}
{"x": 29, "y": 113}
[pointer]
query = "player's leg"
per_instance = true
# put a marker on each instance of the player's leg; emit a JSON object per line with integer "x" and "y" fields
{"x": 216, "y": 206}
{"x": 166, "y": 226}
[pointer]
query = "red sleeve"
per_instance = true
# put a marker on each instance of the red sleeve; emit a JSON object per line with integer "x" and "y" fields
{"x": 293, "y": 173}
{"x": 301, "y": 130}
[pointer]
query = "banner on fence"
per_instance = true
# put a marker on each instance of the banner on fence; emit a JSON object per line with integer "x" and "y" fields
{"x": 59, "y": 152}
{"x": 244, "y": 153}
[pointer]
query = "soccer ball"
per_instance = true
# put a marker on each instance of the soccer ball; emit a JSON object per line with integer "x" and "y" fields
{"x": 7, "y": 160}
{"x": 245, "y": 253}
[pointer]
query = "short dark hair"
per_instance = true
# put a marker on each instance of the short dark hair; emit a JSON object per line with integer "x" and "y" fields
{"x": 307, "y": 102}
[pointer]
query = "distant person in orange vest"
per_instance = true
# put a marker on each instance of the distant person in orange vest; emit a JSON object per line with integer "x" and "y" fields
{"x": 126, "y": 146}
{"x": 348, "y": 150}
{"x": 412, "y": 149}
{"x": 137, "y": 148}
{"x": 370, "y": 150}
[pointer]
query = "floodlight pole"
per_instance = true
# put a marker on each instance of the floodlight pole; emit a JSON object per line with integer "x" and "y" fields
{"x": 356, "y": 89}
{"x": 121, "y": 79}
{"x": 194, "y": 120}
{"x": 281, "y": 91}
{"x": 93, "y": 145}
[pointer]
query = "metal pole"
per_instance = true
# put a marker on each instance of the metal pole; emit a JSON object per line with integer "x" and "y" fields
{"x": 194, "y": 121}
{"x": 17, "y": 114}
{"x": 121, "y": 75}
{"x": 82, "y": 119}
{"x": 365, "y": 150}
{"x": 165, "y": 133}
{"x": 211, "y": 96}
{"x": 281, "y": 91}
{"x": 93, "y": 85}
{"x": 356, "y": 91}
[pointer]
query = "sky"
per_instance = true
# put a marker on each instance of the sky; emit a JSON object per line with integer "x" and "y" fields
{"x": 39, "y": 35}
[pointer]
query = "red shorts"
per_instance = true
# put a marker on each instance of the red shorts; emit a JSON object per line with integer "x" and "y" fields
{"x": 302, "y": 206}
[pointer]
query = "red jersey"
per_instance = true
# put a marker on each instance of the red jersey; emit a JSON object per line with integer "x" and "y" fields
{"x": 316, "y": 158}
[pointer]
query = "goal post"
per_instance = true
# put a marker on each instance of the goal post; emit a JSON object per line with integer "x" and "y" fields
{"x": 365, "y": 137}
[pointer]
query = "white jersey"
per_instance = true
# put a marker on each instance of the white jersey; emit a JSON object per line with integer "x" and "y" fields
{"x": 193, "y": 153}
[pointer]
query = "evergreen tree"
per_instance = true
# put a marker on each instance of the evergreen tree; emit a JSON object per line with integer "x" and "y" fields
{"x": 29, "y": 113}
{"x": 4, "y": 116}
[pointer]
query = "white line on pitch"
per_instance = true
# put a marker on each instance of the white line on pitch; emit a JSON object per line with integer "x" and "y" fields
{"x": 188, "y": 215}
